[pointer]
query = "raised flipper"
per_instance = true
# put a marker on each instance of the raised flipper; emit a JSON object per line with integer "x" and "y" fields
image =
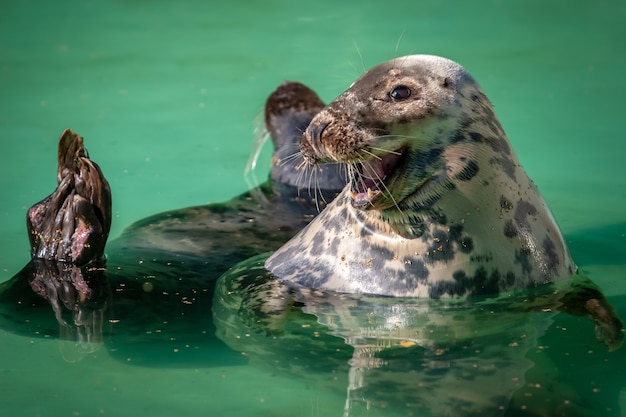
{"x": 72, "y": 224}
{"x": 288, "y": 112}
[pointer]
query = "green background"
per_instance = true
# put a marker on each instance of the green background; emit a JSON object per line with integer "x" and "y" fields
{"x": 167, "y": 95}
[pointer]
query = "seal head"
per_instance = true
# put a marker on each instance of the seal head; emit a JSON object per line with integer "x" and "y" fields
{"x": 437, "y": 202}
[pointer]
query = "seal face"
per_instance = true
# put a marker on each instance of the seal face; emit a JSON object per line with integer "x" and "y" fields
{"x": 437, "y": 202}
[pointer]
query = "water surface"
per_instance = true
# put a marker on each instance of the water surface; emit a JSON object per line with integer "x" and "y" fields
{"x": 166, "y": 95}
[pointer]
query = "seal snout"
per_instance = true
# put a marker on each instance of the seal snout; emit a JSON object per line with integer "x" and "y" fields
{"x": 315, "y": 131}
{"x": 311, "y": 143}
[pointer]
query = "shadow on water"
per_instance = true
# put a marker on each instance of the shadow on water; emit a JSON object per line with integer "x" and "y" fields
{"x": 510, "y": 355}
{"x": 158, "y": 322}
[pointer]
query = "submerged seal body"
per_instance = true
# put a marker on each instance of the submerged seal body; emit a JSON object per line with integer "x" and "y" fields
{"x": 438, "y": 203}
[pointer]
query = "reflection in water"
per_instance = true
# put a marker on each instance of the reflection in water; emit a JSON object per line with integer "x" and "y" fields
{"x": 408, "y": 356}
{"x": 390, "y": 356}
{"x": 79, "y": 297}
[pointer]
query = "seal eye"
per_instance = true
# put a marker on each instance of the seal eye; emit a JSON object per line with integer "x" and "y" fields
{"x": 399, "y": 93}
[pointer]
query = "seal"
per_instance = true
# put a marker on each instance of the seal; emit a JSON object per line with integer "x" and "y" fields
{"x": 437, "y": 203}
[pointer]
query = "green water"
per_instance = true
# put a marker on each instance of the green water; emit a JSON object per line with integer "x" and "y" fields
{"x": 166, "y": 95}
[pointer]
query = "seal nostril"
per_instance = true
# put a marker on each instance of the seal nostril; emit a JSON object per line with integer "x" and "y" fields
{"x": 315, "y": 131}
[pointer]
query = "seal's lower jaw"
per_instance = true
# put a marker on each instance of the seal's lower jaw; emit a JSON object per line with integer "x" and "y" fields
{"x": 364, "y": 199}
{"x": 370, "y": 181}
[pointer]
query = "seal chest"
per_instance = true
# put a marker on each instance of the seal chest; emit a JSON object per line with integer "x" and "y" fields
{"x": 437, "y": 202}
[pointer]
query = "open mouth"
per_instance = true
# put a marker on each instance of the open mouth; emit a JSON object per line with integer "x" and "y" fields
{"x": 368, "y": 180}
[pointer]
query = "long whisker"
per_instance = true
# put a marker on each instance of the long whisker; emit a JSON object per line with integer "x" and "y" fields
{"x": 318, "y": 188}
{"x": 311, "y": 174}
{"x": 386, "y": 150}
{"x": 386, "y": 190}
{"x": 361, "y": 175}
{"x": 313, "y": 177}
{"x": 373, "y": 175}
{"x": 301, "y": 168}
{"x": 398, "y": 44}
{"x": 371, "y": 154}
{"x": 348, "y": 172}
{"x": 387, "y": 136}
{"x": 360, "y": 55}
{"x": 294, "y": 156}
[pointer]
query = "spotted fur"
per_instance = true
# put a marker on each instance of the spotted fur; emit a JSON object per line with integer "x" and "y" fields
{"x": 456, "y": 215}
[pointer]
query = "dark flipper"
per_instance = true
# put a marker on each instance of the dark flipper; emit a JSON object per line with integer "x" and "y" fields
{"x": 72, "y": 224}
{"x": 288, "y": 112}
{"x": 586, "y": 299}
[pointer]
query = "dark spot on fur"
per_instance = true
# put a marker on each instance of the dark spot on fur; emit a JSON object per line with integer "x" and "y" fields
{"x": 476, "y": 137}
{"x": 416, "y": 273}
{"x": 458, "y": 136}
{"x": 523, "y": 210}
{"x": 486, "y": 284}
{"x": 459, "y": 286}
{"x": 505, "y": 203}
{"x": 316, "y": 248}
{"x": 510, "y": 230}
{"x": 469, "y": 171}
{"x": 552, "y": 258}
{"x": 466, "y": 122}
{"x": 507, "y": 165}
{"x": 438, "y": 217}
{"x": 466, "y": 244}
{"x": 383, "y": 252}
{"x": 440, "y": 249}
{"x": 425, "y": 159}
{"x": 334, "y": 245}
{"x": 523, "y": 258}
{"x": 456, "y": 231}
{"x": 462, "y": 284}
{"x": 481, "y": 258}
{"x": 498, "y": 145}
{"x": 494, "y": 127}
{"x": 343, "y": 213}
{"x": 509, "y": 279}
